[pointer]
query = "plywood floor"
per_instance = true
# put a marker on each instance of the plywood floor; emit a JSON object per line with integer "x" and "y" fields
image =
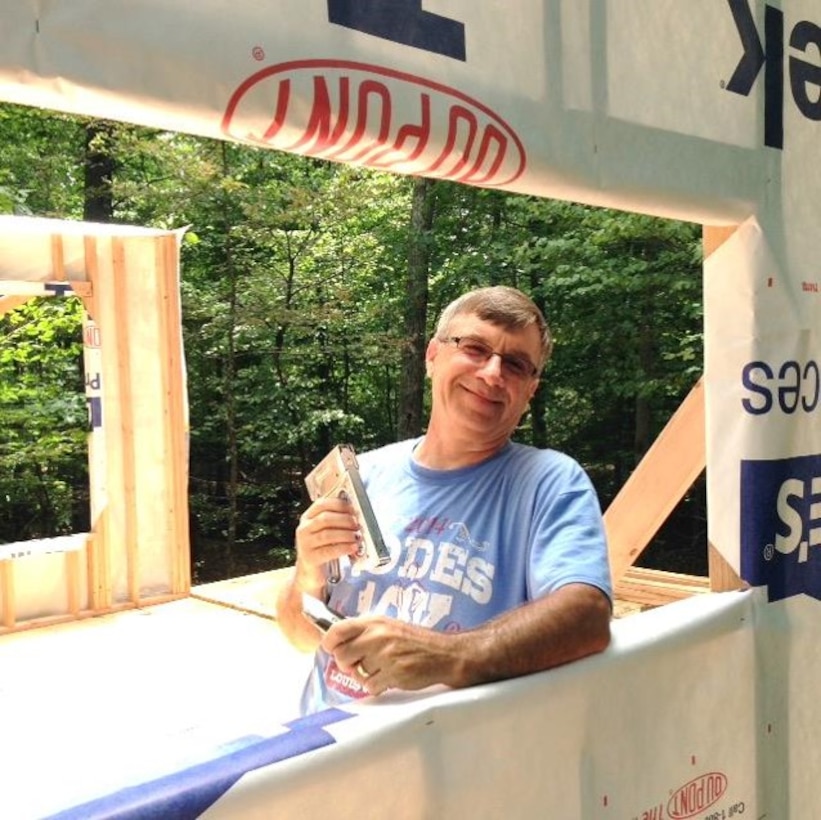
{"x": 93, "y": 706}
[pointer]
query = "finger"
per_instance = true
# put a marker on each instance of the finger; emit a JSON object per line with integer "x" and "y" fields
{"x": 329, "y": 503}
{"x": 323, "y": 518}
{"x": 328, "y": 527}
{"x": 373, "y": 688}
{"x": 339, "y": 641}
{"x": 327, "y": 534}
{"x": 340, "y": 542}
{"x": 321, "y": 554}
{"x": 370, "y": 679}
{"x": 375, "y": 683}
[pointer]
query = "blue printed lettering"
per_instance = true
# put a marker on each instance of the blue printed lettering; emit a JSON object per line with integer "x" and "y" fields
{"x": 403, "y": 22}
{"x": 790, "y": 493}
{"x": 95, "y": 412}
{"x": 805, "y": 76}
{"x": 788, "y": 390}
{"x": 749, "y": 376}
{"x": 781, "y": 524}
{"x": 795, "y": 386}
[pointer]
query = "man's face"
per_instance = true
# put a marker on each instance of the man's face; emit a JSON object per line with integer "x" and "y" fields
{"x": 482, "y": 398}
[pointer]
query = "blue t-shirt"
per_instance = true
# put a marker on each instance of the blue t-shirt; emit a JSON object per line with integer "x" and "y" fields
{"x": 467, "y": 545}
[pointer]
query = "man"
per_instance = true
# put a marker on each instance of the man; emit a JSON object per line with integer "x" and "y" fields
{"x": 498, "y": 564}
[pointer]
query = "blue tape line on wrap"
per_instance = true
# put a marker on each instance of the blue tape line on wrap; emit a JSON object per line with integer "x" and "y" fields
{"x": 186, "y": 794}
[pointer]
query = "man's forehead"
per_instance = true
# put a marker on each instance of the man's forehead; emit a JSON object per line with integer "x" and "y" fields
{"x": 470, "y": 323}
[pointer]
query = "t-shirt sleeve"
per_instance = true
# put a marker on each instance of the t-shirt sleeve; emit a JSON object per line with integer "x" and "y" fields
{"x": 568, "y": 543}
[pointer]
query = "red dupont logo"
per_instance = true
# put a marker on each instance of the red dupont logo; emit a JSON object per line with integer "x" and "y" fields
{"x": 696, "y": 796}
{"x": 367, "y": 115}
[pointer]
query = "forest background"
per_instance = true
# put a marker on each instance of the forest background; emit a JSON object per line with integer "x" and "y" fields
{"x": 309, "y": 291}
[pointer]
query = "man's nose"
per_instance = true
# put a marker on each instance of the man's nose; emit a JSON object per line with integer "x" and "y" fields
{"x": 492, "y": 368}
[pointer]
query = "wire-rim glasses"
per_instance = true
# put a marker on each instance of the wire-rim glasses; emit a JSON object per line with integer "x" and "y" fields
{"x": 513, "y": 365}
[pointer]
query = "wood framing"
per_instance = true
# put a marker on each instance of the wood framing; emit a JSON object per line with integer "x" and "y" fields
{"x": 137, "y": 552}
{"x": 667, "y": 471}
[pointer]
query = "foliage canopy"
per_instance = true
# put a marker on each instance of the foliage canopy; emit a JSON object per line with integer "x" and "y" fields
{"x": 295, "y": 319}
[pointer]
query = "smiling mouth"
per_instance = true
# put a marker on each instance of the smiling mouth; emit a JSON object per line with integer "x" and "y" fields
{"x": 483, "y": 397}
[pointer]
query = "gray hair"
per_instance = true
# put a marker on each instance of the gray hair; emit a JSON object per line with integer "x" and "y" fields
{"x": 501, "y": 305}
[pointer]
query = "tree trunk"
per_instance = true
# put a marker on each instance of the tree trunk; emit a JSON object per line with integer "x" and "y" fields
{"x": 229, "y": 386}
{"x": 537, "y": 403}
{"x": 99, "y": 165}
{"x": 412, "y": 377}
{"x": 643, "y": 434}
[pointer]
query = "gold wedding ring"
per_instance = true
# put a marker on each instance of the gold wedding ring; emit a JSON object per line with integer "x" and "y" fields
{"x": 362, "y": 671}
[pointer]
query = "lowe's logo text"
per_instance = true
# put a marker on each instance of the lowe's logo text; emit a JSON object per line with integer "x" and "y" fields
{"x": 781, "y": 525}
{"x": 788, "y": 387}
{"x": 768, "y": 53}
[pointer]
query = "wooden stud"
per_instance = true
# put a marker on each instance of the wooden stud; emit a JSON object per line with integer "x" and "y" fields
{"x": 7, "y": 587}
{"x": 652, "y": 587}
{"x": 98, "y": 568}
{"x": 712, "y": 238}
{"x": 667, "y": 471}
{"x": 723, "y": 577}
{"x": 10, "y": 303}
{"x": 126, "y": 403}
{"x": 97, "y": 554}
{"x": 58, "y": 268}
{"x": 72, "y": 565}
{"x": 84, "y": 290}
{"x": 175, "y": 434}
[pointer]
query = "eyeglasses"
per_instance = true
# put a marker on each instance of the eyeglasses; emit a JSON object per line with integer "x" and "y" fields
{"x": 516, "y": 367}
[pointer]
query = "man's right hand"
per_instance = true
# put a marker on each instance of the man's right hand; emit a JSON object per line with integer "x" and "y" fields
{"x": 327, "y": 530}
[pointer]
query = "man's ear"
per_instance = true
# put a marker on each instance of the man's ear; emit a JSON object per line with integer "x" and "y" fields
{"x": 430, "y": 355}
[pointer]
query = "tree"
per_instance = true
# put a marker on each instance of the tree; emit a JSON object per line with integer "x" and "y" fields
{"x": 43, "y": 475}
{"x": 99, "y": 165}
{"x": 412, "y": 378}
{"x": 309, "y": 291}
{"x": 42, "y": 153}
